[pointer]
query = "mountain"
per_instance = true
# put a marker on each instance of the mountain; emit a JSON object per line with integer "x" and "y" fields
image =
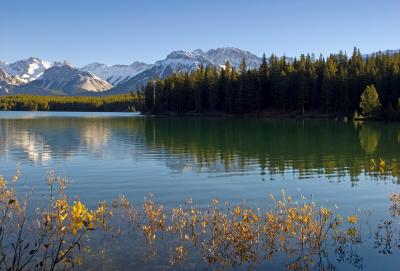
{"x": 36, "y": 76}
{"x": 7, "y": 82}
{"x": 386, "y": 52}
{"x": 234, "y": 55}
{"x": 9, "y": 79}
{"x": 177, "y": 61}
{"x": 28, "y": 69}
{"x": 116, "y": 74}
{"x": 64, "y": 79}
{"x": 183, "y": 61}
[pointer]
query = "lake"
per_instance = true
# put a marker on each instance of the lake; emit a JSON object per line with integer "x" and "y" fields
{"x": 240, "y": 160}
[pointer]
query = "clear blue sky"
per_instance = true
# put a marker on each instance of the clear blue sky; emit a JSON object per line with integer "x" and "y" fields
{"x": 119, "y": 31}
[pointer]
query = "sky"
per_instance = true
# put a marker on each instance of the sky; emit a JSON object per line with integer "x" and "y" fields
{"x": 123, "y": 31}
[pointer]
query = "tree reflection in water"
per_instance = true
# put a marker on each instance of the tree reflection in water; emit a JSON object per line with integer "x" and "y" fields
{"x": 310, "y": 148}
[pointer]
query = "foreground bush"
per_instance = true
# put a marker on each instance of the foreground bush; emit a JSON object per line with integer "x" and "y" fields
{"x": 63, "y": 234}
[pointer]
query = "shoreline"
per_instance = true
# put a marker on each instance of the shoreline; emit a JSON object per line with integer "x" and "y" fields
{"x": 264, "y": 115}
{"x": 255, "y": 115}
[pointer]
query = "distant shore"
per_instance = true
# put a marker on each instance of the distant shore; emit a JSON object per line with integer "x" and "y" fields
{"x": 260, "y": 114}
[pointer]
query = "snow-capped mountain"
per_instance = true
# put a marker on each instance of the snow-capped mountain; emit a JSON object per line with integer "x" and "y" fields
{"x": 116, "y": 74}
{"x": 183, "y": 61}
{"x": 64, "y": 79}
{"x": 177, "y": 61}
{"x": 28, "y": 69}
{"x": 235, "y": 56}
{"x": 38, "y": 76}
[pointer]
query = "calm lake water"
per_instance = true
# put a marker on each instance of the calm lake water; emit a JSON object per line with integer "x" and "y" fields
{"x": 237, "y": 160}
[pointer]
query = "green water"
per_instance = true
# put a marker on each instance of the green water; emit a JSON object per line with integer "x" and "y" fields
{"x": 238, "y": 160}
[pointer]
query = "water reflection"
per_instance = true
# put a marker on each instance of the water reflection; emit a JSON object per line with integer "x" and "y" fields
{"x": 39, "y": 140}
{"x": 30, "y": 145}
{"x": 177, "y": 158}
{"x": 369, "y": 138}
{"x": 95, "y": 137}
{"x": 309, "y": 148}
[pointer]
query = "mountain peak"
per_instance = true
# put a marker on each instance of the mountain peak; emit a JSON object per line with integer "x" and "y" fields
{"x": 94, "y": 65}
{"x": 197, "y": 52}
{"x": 116, "y": 74}
{"x": 138, "y": 63}
{"x": 33, "y": 59}
{"x": 179, "y": 54}
{"x": 234, "y": 55}
{"x": 184, "y": 61}
{"x": 64, "y": 79}
{"x": 46, "y": 76}
{"x": 27, "y": 69}
{"x": 63, "y": 63}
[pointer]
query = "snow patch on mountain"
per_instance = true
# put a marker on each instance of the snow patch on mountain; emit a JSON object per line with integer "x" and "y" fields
{"x": 7, "y": 82}
{"x": 28, "y": 69}
{"x": 235, "y": 56}
{"x": 185, "y": 61}
{"x": 116, "y": 74}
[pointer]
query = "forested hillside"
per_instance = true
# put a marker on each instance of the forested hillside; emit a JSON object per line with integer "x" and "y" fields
{"x": 331, "y": 85}
{"x": 119, "y": 103}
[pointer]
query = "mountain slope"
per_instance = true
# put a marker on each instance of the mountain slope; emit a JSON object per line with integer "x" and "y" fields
{"x": 7, "y": 82}
{"x": 63, "y": 79}
{"x": 116, "y": 74}
{"x": 36, "y": 76}
{"x": 182, "y": 61}
{"x": 234, "y": 55}
{"x": 28, "y": 69}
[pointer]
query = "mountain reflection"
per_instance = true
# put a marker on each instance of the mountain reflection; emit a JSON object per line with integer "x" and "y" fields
{"x": 95, "y": 137}
{"x": 309, "y": 148}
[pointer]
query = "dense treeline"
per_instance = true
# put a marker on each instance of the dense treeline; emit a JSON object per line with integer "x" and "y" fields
{"x": 121, "y": 103}
{"x": 331, "y": 85}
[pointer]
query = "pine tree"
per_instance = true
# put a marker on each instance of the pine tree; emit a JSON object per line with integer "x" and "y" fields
{"x": 328, "y": 86}
{"x": 303, "y": 84}
{"x": 331, "y": 85}
{"x": 369, "y": 102}
{"x": 263, "y": 90}
{"x": 149, "y": 96}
